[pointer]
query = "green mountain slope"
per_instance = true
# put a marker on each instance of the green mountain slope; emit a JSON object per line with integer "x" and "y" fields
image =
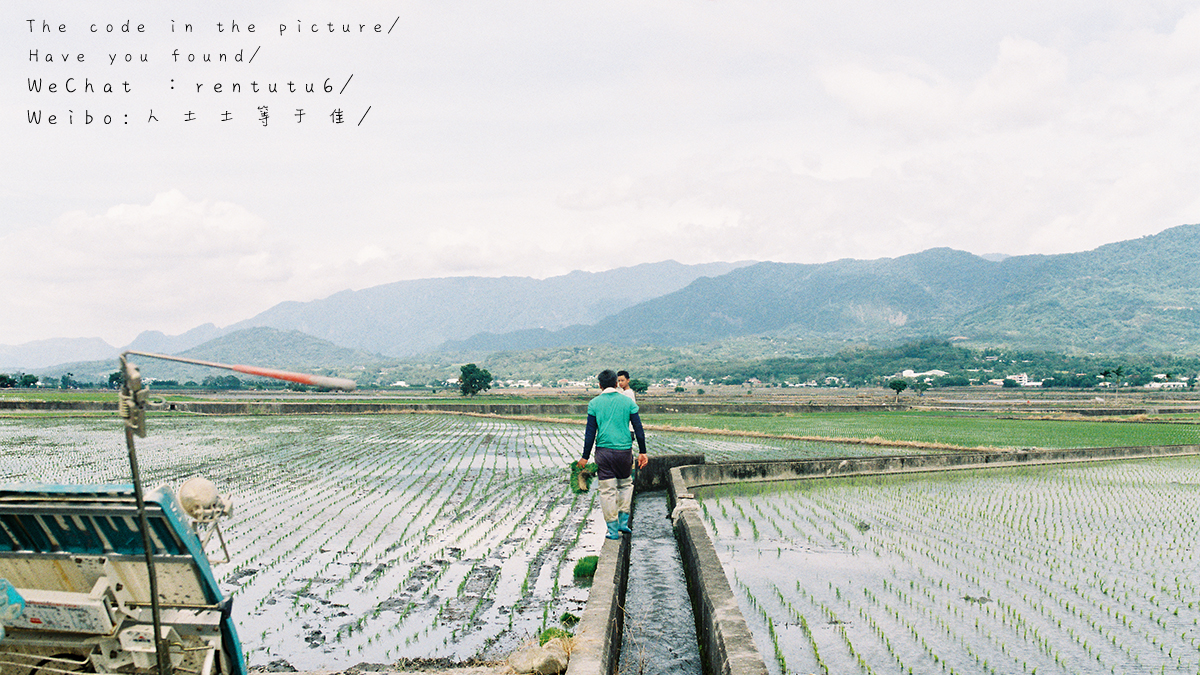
{"x": 1134, "y": 296}
{"x": 408, "y": 317}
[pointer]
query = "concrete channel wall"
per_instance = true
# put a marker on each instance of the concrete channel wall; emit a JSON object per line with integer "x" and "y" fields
{"x": 700, "y": 475}
{"x": 726, "y": 645}
{"x": 598, "y": 634}
{"x": 724, "y": 636}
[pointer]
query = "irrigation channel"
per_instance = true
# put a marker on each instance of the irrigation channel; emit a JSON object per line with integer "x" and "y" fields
{"x": 660, "y": 631}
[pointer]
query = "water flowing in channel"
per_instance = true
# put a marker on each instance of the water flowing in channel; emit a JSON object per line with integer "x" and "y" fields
{"x": 660, "y": 629}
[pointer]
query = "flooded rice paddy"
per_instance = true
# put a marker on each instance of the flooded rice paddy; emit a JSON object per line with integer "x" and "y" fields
{"x": 1059, "y": 569}
{"x": 371, "y": 539}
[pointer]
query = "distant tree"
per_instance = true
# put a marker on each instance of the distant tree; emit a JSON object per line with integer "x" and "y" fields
{"x": 1116, "y": 374}
{"x": 28, "y": 381}
{"x": 700, "y": 392}
{"x": 952, "y": 381}
{"x": 65, "y": 381}
{"x": 679, "y": 390}
{"x": 221, "y": 382}
{"x": 7, "y": 381}
{"x": 116, "y": 379}
{"x": 639, "y": 386}
{"x": 921, "y": 386}
{"x": 1077, "y": 380}
{"x": 898, "y": 385}
{"x": 474, "y": 380}
{"x": 1009, "y": 383}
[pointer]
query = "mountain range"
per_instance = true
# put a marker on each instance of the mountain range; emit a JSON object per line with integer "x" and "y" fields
{"x": 409, "y": 317}
{"x": 1135, "y": 296}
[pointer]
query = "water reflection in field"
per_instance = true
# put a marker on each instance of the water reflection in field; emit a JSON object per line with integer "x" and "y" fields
{"x": 1069, "y": 568}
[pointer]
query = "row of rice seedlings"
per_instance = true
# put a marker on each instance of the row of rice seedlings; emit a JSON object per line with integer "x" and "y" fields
{"x": 359, "y": 625}
{"x": 1047, "y": 596}
{"x": 321, "y": 504}
{"x": 479, "y": 603}
{"x": 1016, "y": 617}
{"x": 330, "y": 504}
{"x": 466, "y": 574}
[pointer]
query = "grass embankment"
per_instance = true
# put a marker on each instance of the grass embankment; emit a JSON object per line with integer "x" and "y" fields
{"x": 58, "y": 395}
{"x": 939, "y": 428}
{"x": 919, "y": 429}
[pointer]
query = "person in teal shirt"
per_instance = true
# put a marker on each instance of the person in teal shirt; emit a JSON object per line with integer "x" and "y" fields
{"x": 609, "y": 417}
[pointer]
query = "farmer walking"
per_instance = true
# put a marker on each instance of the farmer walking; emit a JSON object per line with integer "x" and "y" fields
{"x": 609, "y": 416}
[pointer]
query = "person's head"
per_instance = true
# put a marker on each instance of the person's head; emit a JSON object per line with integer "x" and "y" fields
{"x": 623, "y": 379}
{"x": 608, "y": 379}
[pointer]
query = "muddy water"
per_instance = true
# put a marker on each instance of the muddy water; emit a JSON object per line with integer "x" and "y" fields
{"x": 660, "y": 630}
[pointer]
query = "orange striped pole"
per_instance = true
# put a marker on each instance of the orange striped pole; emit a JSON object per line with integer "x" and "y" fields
{"x": 322, "y": 381}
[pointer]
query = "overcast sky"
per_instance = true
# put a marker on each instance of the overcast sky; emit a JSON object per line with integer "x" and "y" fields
{"x": 533, "y": 139}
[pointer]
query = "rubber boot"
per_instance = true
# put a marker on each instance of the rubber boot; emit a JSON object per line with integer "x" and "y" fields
{"x": 623, "y": 523}
{"x": 612, "y": 530}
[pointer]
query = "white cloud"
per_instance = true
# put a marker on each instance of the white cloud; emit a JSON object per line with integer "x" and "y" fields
{"x": 165, "y": 264}
{"x": 532, "y": 140}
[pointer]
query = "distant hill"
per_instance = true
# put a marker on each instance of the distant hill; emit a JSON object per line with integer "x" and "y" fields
{"x": 1135, "y": 296}
{"x": 42, "y": 353}
{"x": 408, "y": 317}
{"x": 285, "y": 350}
{"x": 158, "y": 342}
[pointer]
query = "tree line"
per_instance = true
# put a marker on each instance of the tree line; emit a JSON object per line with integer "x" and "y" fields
{"x": 864, "y": 366}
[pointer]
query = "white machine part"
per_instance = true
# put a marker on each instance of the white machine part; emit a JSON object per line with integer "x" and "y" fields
{"x": 205, "y": 506}
{"x": 138, "y": 641}
{"x": 66, "y": 612}
{"x": 199, "y": 498}
{"x": 104, "y": 625}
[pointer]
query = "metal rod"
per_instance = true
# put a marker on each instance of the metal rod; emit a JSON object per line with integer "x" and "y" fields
{"x": 161, "y": 649}
{"x": 132, "y": 409}
{"x": 300, "y": 378}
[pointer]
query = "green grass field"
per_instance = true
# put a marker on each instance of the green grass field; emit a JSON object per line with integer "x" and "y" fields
{"x": 58, "y": 395}
{"x": 953, "y": 428}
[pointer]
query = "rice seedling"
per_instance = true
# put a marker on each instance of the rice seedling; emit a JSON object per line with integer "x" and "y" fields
{"x": 1073, "y": 568}
{"x": 395, "y": 536}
